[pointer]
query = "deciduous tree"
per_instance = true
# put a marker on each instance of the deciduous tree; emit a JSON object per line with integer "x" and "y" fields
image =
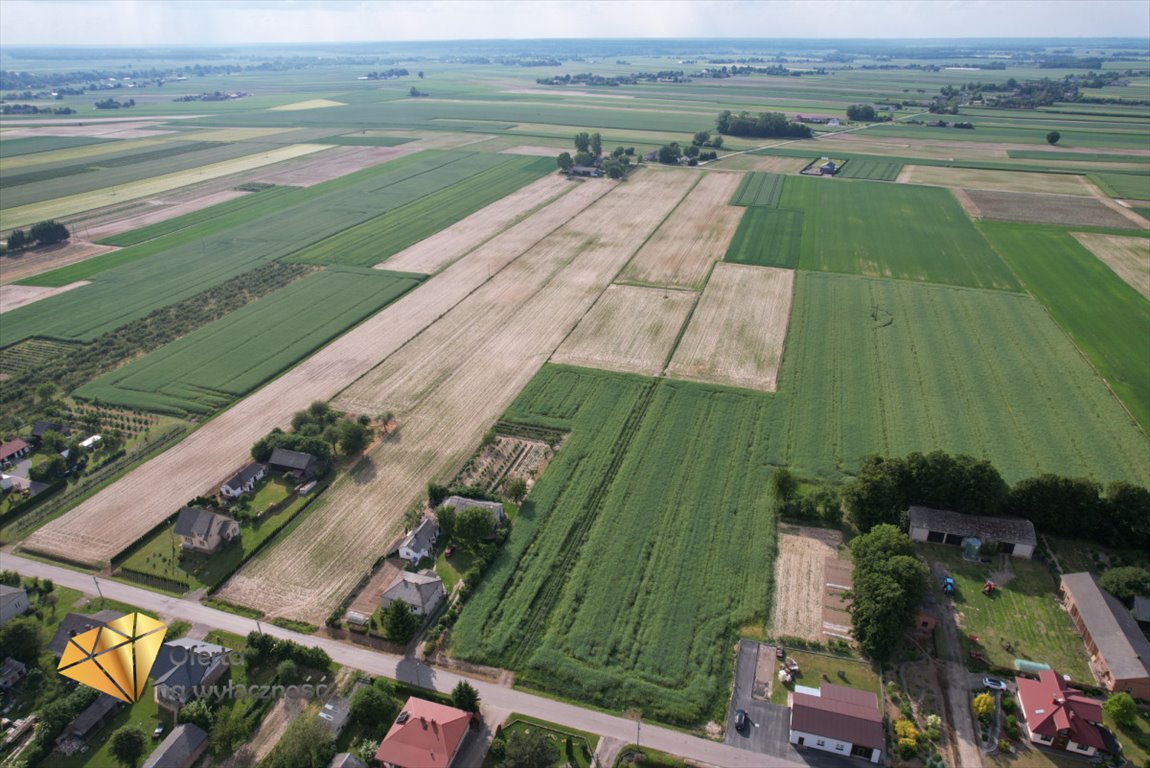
{"x": 128, "y": 745}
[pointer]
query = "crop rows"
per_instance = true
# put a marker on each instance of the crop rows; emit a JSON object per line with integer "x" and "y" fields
{"x": 767, "y": 237}
{"x": 72, "y": 169}
{"x": 225, "y": 359}
{"x": 594, "y": 605}
{"x": 1125, "y": 185}
{"x": 875, "y": 170}
{"x": 30, "y": 354}
{"x": 33, "y": 144}
{"x": 892, "y": 230}
{"x": 452, "y": 193}
{"x": 759, "y": 189}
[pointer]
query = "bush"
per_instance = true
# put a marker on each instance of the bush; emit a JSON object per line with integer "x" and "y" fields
{"x": 983, "y": 705}
{"x": 908, "y": 748}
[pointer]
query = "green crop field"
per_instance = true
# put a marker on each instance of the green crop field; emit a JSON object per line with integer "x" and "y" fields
{"x": 1082, "y": 157}
{"x": 626, "y": 574}
{"x": 34, "y": 144}
{"x": 213, "y": 365}
{"x": 364, "y": 141}
{"x": 1124, "y": 185}
{"x": 1106, "y": 317}
{"x": 493, "y": 177}
{"x": 889, "y": 230}
{"x": 890, "y": 367}
{"x": 759, "y": 189}
{"x": 129, "y": 284}
{"x": 767, "y": 237}
{"x": 876, "y": 170}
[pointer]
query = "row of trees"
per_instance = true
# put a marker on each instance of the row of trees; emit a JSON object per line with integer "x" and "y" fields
{"x": 318, "y": 430}
{"x": 885, "y": 487}
{"x": 762, "y": 126}
{"x": 865, "y": 113}
{"x": 889, "y": 584}
{"x": 43, "y": 233}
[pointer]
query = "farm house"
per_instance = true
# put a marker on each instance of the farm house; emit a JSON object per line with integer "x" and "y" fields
{"x": 1013, "y": 535}
{"x": 839, "y": 720}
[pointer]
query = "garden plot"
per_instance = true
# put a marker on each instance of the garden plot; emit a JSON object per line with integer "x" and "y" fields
{"x": 736, "y": 334}
{"x": 800, "y": 581}
{"x": 693, "y": 238}
{"x": 446, "y": 388}
{"x": 107, "y": 523}
{"x": 630, "y": 329}
{"x": 1129, "y": 257}
{"x": 999, "y": 181}
{"x": 13, "y": 296}
{"x": 432, "y": 254}
{"x": 1051, "y": 209}
{"x": 505, "y": 459}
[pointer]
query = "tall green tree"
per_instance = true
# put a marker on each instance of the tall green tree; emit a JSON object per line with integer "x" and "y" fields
{"x": 529, "y": 749}
{"x": 400, "y": 623}
{"x": 596, "y": 144}
{"x": 353, "y": 437}
{"x": 583, "y": 141}
{"x": 474, "y": 525}
{"x": 1053, "y": 137}
{"x": 564, "y": 161}
{"x": 307, "y": 743}
{"x": 22, "y": 639}
{"x": 465, "y": 697}
{"x": 1126, "y": 582}
{"x": 128, "y": 745}
{"x": 445, "y": 518}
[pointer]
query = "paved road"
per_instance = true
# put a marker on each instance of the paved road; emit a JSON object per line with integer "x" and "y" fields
{"x": 409, "y": 670}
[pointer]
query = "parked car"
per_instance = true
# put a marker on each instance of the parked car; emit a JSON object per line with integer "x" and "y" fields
{"x": 158, "y": 732}
{"x": 994, "y": 684}
{"x": 741, "y": 721}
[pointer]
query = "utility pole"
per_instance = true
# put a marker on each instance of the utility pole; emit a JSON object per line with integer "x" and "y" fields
{"x": 97, "y": 583}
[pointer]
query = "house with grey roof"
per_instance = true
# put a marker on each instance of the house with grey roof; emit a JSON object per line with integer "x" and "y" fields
{"x": 420, "y": 542}
{"x": 181, "y": 749}
{"x": 1013, "y": 535}
{"x": 11, "y": 672}
{"x": 87, "y": 723}
{"x": 202, "y": 530}
{"x": 1142, "y": 610}
{"x": 76, "y": 624}
{"x": 243, "y": 481}
{"x": 13, "y": 602}
{"x": 1119, "y": 652}
{"x": 301, "y": 465}
{"x": 422, "y": 591}
{"x": 460, "y": 503}
{"x": 184, "y": 668}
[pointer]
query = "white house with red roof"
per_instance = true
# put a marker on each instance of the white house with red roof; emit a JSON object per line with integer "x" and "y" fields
{"x": 425, "y": 735}
{"x": 1060, "y": 717}
{"x": 836, "y": 719}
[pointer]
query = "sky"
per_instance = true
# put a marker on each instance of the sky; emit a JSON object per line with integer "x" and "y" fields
{"x": 212, "y": 22}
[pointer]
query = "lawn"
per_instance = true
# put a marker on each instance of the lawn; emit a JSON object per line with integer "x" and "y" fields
{"x": 1046, "y": 635}
{"x": 1076, "y": 556}
{"x": 890, "y": 367}
{"x": 767, "y": 237}
{"x": 582, "y": 744}
{"x": 144, "y": 713}
{"x": 1135, "y": 739}
{"x": 160, "y": 555}
{"x": 817, "y": 668}
{"x": 631, "y": 534}
{"x": 1106, "y": 317}
{"x": 892, "y": 230}
{"x": 231, "y": 356}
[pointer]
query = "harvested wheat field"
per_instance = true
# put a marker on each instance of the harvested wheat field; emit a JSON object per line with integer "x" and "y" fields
{"x": 309, "y": 104}
{"x": 693, "y": 237}
{"x": 1129, "y": 257}
{"x": 630, "y": 329}
{"x": 107, "y": 523}
{"x": 1001, "y": 181}
{"x": 432, "y": 254}
{"x": 446, "y": 388}
{"x": 531, "y": 151}
{"x": 13, "y": 296}
{"x": 43, "y": 259}
{"x": 736, "y": 334}
{"x": 331, "y": 165}
{"x": 1051, "y": 209}
{"x": 800, "y": 580}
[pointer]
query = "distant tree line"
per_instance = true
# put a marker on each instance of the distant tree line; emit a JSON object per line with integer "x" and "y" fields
{"x": 388, "y": 74}
{"x": 762, "y": 126}
{"x": 111, "y": 103}
{"x": 865, "y": 113}
{"x": 32, "y": 109}
{"x": 1118, "y": 516}
{"x": 41, "y": 234}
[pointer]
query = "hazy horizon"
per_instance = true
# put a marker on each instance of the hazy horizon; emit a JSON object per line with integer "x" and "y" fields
{"x": 98, "y": 23}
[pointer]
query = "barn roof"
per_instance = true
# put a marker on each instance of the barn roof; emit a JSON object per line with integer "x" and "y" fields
{"x": 1014, "y": 530}
{"x": 1113, "y": 629}
{"x": 839, "y": 713}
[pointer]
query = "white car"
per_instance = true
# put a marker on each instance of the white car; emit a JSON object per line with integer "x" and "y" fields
{"x": 994, "y": 684}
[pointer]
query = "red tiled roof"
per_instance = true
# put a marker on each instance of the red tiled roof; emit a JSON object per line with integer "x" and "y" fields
{"x": 1051, "y": 706}
{"x": 427, "y": 737}
{"x": 11, "y": 448}
{"x": 839, "y": 713}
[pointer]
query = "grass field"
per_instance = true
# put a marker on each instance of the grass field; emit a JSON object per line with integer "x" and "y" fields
{"x": 213, "y": 365}
{"x": 1106, "y": 317}
{"x": 1094, "y": 157}
{"x": 839, "y": 670}
{"x": 433, "y": 201}
{"x": 30, "y": 145}
{"x": 888, "y": 230}
{"x": 767, "y": 237}
{"x": 1124, "y": 185}
{"x": 889, "y": 367}
{"x": 1027, "y": 590}
{"x": 628, "y": 507}
{"x": 875, "y": 170}
{"x": 1129, "y": 257}
{"x": 759, "y": 189}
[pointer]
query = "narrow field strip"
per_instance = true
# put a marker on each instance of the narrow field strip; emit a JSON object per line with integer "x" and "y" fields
{"x": 14, "y": 296}
{"x": 998, "y": 181}
{"x": 736, "y": 334}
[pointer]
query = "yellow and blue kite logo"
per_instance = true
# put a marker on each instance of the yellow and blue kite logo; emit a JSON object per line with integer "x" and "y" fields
{"x": 115, "y": 658}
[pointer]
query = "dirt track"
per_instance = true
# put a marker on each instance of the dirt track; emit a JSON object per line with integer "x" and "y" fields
{"x": 447, "y": 387}
{"x": 106, "y": 523}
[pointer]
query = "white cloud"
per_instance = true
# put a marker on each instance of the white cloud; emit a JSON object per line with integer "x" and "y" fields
{"x": 207, "y": 22}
